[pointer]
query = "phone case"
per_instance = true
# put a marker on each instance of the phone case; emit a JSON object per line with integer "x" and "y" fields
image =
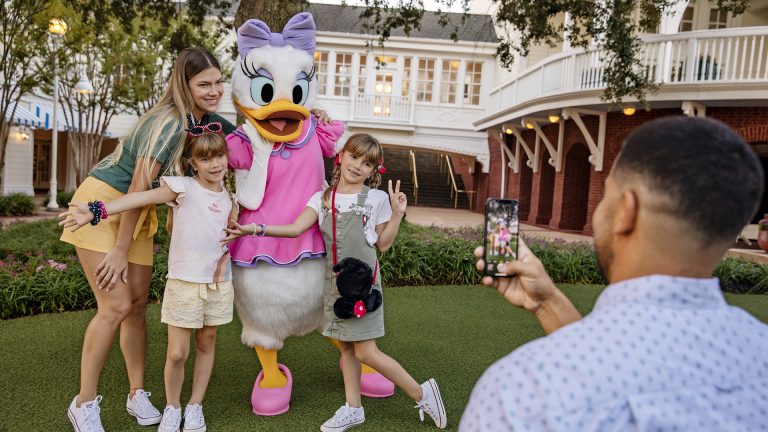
{"x": 500, "y": 233}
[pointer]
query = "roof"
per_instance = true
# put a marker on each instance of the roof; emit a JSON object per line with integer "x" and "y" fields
{"x": 346, "y": 19}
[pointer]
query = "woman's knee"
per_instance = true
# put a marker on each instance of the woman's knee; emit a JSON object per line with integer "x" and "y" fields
{"x": 115, "y": 312}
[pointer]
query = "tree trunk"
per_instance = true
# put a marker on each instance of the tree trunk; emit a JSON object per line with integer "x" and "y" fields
{"x": 273, "y": 12}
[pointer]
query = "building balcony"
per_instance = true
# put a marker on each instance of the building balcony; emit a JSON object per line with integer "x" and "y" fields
{"x": 710, "y": 66}
{"x": 383, "y": 108}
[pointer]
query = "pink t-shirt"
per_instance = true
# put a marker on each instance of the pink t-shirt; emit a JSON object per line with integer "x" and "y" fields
{"x": 295, "y": 172}
{"x": 199, "y": 218}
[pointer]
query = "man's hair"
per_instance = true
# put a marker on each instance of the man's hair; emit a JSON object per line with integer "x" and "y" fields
{"x": 711, "y": 178}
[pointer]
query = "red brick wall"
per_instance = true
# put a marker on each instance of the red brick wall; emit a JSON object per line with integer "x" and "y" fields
{"x": 558, "y": 199}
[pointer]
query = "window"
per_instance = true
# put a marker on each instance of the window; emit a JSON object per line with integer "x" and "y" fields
{"x": 472, "y": 78}
{"x": 321, "y": 70}
{"x": 406, "y": 76}
{"x": 343, "y": 74}
{"x": 449, "y": 81}
{"x": 362, "y": 75}
{"x": 718, "y": 18}
{"x": 686, "y": 23}
{"x": 425, "y": 78}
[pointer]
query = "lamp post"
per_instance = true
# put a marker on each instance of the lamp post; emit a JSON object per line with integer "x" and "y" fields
{"x": 57, "y": 28}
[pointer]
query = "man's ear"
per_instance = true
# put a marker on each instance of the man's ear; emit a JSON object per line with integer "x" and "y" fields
{"x": 626, "y": 214}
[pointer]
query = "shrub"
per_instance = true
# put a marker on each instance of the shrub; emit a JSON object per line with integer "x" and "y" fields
{"x": 64, "y": 198}
{"x": 16, "y": 204}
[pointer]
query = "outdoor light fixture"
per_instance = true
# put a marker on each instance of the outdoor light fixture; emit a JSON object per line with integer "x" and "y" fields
{"x": 508, "y": 131}
{"x": 22, "y": 134}
{"x": 379, "y": 88}
{"x": 554, "y": 118}
{"x": 529, "y": 125}
{"x": 57, "y": 28}
{"x": 629, "y": 110}
{"x": 83, "y": 86}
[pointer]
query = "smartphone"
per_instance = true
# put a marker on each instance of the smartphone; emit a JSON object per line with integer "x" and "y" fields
{"x": 501, "y": 233}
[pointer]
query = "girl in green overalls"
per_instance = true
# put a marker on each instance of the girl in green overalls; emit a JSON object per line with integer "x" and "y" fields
{"x": 357, "y": 219}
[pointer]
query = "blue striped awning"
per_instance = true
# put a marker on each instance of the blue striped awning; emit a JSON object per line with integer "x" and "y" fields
{"x": 23, "y": 117}
{"x": 44, "y": 112}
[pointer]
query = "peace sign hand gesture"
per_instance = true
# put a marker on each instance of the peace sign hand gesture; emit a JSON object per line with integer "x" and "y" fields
{"x": 398, "y": 199}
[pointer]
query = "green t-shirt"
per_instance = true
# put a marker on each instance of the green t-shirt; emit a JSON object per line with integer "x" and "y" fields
{"x": 120, "y": 175}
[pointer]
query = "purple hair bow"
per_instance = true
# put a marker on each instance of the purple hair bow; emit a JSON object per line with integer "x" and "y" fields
{"x": 298, "y": 33}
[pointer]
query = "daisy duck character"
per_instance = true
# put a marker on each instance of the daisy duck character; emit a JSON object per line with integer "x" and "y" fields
{"x": 277, "y": 157}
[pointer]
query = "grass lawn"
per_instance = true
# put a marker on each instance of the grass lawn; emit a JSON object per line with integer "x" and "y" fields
{"x": 452, "y": 333}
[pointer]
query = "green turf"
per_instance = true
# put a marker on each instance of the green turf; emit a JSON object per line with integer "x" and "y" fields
{"x": 451, "y": 333}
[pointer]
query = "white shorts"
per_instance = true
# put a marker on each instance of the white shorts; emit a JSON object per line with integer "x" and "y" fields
{"x": 194, "y": 305}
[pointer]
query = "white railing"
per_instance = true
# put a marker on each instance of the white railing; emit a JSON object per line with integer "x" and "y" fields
{"x": 382, "y": 107}
{"x": 733, "y": 55}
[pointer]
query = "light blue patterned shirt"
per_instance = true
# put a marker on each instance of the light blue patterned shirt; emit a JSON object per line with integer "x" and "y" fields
{"x": 657, "y": 353}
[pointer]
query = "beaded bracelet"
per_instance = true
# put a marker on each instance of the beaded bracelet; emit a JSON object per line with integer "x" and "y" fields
{"x": 99, "y": 211}
{"x": 262, "y": 229}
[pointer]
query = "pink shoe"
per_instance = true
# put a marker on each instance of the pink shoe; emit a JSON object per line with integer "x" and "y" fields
{"x": 272, "y": 401}
{"x": 374, "y": 384}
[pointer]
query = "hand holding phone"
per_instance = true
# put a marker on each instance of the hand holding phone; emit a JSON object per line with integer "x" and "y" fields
{"x": 500, "y": 234}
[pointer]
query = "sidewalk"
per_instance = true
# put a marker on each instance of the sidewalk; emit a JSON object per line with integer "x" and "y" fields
{"x": 457, "y": 218}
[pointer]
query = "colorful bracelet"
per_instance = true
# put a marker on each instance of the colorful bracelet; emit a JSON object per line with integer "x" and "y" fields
{"x": 263, "y": 229}
{"x": 98, "y": 210}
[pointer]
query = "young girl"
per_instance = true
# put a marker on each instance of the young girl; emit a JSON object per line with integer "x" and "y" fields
{"x": 198, "y": 294}
{"x": 355, "y": 220}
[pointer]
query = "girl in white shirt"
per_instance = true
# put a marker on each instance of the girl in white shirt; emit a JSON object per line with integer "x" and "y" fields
{"x": 198, "y": 294}
{"x": 356, "y": 220}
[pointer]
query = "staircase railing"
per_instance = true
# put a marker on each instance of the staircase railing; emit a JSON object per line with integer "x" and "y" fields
{"x": 412, "y": 162}
{"x": 454, "y": 189}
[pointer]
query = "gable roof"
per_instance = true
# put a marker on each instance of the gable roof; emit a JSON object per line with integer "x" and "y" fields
{"x": 346, "y": 19}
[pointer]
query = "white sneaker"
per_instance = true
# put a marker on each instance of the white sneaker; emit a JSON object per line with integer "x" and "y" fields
{"x": 140, "y": 407}
{"x": 194, "y": 421}
{"x": 171, "y": 420}
{"x": 86, "y": 418}
{"x": 432, "y": 404}
{"x": 345, "y": 418}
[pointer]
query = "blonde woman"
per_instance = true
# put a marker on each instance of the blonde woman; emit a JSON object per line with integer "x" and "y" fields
{"x": 116, "y": 254}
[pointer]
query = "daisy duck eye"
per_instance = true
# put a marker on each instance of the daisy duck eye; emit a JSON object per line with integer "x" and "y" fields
{"x": 300, "y": 91}
{"x": 262, "y": 90}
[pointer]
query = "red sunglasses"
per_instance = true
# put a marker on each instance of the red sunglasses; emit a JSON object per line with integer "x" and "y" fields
{"x": 197, "y": 130}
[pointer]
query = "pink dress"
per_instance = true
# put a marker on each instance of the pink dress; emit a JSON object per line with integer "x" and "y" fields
{"x": 295, "y": 172}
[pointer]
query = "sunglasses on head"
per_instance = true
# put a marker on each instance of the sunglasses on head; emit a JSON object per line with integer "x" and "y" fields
{"x": 197, "y": 130}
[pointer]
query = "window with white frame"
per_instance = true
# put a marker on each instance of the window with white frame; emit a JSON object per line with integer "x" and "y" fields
{"x": 406, "y": 86}
{"x": 448, "y": 81}
{"x": 362, "y": 75}
{"x": 686, "y": 23}
{"x": 472, "y": 77}
{"x": 343, "y": 74}
{"x": 718, "y": 18}
{"x": 321, "y": 70}
{"x": 425, "y": 78}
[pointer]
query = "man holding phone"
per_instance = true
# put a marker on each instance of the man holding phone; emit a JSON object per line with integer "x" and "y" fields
{"x": 661, "y": 350}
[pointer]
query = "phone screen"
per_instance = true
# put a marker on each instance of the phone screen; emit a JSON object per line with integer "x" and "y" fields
{"x": 501, "y": 231}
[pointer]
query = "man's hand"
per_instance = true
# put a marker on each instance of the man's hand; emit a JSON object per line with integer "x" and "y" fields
{"x": 530, "y": 287}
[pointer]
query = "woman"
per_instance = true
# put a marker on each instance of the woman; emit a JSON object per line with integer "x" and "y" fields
{"x": 116, "y": 254}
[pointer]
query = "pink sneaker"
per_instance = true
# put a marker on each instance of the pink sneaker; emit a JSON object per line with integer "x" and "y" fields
{"x": 272, "y": 401}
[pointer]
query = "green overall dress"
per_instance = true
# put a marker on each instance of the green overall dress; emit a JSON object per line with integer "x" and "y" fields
{"x": 350, "y": 242}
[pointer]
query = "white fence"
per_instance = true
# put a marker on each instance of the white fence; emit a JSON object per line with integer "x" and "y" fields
{"x": 711, "y": 56}
{"x": 383, "y": 107}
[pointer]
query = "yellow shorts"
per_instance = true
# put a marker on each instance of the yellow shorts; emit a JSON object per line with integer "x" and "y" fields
{"x": 102, "y": 237}
{"x": 194, "y": 305}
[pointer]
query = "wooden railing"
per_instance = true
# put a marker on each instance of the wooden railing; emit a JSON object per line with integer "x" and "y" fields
{"x": 415, "y": 178}
{"x": 455, "y": 191}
